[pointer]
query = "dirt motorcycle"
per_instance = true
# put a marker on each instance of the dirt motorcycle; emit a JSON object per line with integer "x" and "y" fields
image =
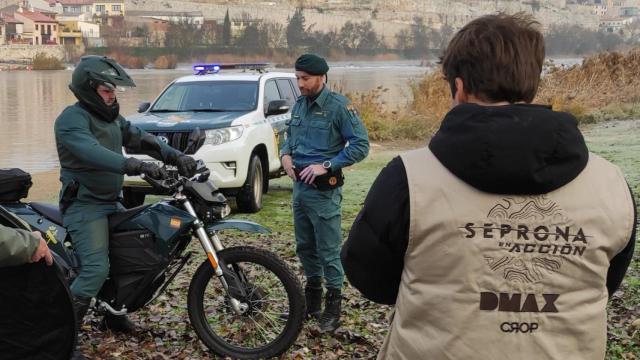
{"x": 243, "y": 302}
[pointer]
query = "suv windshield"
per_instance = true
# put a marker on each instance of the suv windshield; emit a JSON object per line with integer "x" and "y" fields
{"x": 208, "y": 96}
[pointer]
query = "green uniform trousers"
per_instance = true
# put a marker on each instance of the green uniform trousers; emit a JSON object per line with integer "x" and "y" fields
{"x": 88, "y": 226}
{"x": 316, "y": 219}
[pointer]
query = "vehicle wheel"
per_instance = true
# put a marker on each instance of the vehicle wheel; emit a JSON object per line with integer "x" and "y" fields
{"x": 249, "y": 199}
{"x": 132, "y": 198}
{"x": 273, "y": 319}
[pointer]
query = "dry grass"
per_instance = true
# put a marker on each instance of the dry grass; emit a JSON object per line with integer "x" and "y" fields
{"x": 603, "y": 87}
{"x": 604, "y": 82}
{"x": 418, "y": 121}
{"x": 431, "y": 95}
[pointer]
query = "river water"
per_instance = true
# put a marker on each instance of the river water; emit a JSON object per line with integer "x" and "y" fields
{"x": 30, "y": 101}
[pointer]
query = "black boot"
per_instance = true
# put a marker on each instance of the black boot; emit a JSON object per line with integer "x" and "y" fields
{"x": 117, "y": 323}
{"x": 80, "y": 307}
{"x": 330, "y": 318}
{"x": 313, "y": 297}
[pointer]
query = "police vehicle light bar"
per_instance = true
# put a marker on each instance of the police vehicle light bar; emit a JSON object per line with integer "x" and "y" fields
{"x": 203, "y": 69}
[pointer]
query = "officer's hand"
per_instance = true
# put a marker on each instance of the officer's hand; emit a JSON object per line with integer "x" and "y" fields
{"x": 153, "y": 170}
{"x": 287, "y": 165}
{"x": 186, "y": 165}
{"x": 308, "y": 174}
{"x": 133, "y": 166}
{"x": 42, "y": 251}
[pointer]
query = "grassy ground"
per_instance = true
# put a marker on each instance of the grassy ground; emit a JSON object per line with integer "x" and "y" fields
{"x": 167, "y": 333}
{"x": 617, "y": 142}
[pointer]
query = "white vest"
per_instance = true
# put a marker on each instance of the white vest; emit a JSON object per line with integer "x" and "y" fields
{"x": 490, "y": 276}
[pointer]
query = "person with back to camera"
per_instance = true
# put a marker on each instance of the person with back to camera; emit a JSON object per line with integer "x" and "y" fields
{"x": 505, "y": 237}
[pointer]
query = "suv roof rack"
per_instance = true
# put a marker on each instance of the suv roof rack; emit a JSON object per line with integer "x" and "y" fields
{"x": 204, "y": 69}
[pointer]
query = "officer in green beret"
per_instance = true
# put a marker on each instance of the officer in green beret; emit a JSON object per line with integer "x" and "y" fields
{"x": 89, "y": 137}
{"x": 325, "y": 135}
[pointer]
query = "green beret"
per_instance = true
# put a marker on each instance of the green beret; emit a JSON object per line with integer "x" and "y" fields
{"x": 312, "y": 64}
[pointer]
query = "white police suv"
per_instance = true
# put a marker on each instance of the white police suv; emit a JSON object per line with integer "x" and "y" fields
{"x": 243, "y": 114}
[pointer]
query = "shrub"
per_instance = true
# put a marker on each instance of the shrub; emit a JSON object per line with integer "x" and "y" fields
{"x": 128, "y": 61}
{"x": 431, "y": 95}
{"x": 384, "y": 124}
{"x": 166, "y": 62}
{"x": 606, "y": 80}
{"x": 42, "y": 61}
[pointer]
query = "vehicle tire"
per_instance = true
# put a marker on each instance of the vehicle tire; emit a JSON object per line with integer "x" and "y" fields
{"x": 132, "y": 198}
{"x": 274, "y": 297}
{"x": 249, "y": 199}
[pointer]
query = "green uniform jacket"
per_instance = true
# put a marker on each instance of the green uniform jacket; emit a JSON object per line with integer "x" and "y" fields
{"x": 90, "y": 153}
{"x": 319, "y": 131}
{"x": 16, "y": 246}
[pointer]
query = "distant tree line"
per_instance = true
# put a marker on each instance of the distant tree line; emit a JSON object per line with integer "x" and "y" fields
{"x": 576, "y": 40}
{"x": 418, "y": 41}
{"x": 260, "y": 36}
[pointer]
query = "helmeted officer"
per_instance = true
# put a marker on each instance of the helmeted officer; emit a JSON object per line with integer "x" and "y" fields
{"x": 325, "y": 134}
{"x": 89, "y": 138}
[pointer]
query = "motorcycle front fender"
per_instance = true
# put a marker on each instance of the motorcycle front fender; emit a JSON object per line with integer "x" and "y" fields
{"x": 241, "y": 225}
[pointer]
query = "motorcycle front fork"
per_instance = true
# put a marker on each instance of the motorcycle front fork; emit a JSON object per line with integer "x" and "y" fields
{"x": 211, "y": 246}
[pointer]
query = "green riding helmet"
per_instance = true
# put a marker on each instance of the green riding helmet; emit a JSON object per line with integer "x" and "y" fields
{"x": 91, "y": 72}
{"x": 97, "y": 70}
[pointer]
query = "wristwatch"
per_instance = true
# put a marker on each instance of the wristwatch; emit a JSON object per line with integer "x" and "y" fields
{"x": 327, "y": 165}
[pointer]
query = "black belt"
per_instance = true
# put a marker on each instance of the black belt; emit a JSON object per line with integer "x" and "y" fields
{"x": 329, "y": 181}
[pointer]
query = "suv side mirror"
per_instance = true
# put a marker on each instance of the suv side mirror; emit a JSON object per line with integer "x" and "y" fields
{"x": 195, "y": 141}
{"x": 277, "y": 107}
{"x": 143, "y": 107}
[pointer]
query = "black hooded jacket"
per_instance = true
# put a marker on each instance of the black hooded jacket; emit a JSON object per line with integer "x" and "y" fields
{"x": 513, "y": 149}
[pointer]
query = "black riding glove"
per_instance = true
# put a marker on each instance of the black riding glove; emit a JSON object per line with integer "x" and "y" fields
{"x": 186, "y": 165}
{"x": 133, "y": 166}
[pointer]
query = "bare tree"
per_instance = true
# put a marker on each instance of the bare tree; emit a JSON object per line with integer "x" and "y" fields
{"x": 274, "y": 34}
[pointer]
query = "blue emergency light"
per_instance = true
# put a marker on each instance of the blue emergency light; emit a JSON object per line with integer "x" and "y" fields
{"x": 203, "y": 69}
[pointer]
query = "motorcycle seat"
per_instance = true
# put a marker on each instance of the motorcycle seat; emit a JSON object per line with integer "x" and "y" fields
{"x": 122, "y": 216}
{"x": 51, "y": 212}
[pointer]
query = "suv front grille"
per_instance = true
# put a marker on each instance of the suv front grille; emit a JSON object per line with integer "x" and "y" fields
{"x": 177, "y": 140}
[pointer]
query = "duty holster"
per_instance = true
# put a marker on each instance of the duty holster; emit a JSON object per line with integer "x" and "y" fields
{"x": 69, "y": 195}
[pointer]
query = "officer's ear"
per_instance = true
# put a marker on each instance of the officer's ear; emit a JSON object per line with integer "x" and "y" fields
{"x": 326, "y": 78}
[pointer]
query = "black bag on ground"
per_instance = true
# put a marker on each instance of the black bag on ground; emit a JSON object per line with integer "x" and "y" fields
{"x": 14, "y": 184}
{"x": 134, "y": 268}
{"x": 37, "y": 321}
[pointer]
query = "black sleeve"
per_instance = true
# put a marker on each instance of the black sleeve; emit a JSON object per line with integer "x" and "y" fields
{"x": 373, "y": 255}
{"x": 620, "y": 263}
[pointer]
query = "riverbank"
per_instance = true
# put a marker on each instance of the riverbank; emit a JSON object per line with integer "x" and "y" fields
{"x": 602, "y": 87}
{"x": 15, "y": 67}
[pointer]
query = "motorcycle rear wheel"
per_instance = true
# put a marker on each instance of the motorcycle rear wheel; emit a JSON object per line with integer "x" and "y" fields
{"x": 275, "y": 315}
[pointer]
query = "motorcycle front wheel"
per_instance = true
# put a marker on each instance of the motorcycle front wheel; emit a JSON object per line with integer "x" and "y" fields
{"x": 275, "y": 314}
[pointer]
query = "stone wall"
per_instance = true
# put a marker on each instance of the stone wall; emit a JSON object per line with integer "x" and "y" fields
{"x": 26, "y": 53}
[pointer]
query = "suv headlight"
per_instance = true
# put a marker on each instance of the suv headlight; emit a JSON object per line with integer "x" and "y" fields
{"x": 221, "y": 136}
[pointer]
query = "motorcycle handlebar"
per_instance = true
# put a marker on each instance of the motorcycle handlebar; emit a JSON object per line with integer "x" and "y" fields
{"x": 169, "y": 185}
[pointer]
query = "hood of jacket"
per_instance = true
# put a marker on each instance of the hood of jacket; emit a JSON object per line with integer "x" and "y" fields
{"x": 511, "y": 149}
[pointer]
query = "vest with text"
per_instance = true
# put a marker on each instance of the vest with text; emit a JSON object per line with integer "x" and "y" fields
{"x": 489, "y": 276}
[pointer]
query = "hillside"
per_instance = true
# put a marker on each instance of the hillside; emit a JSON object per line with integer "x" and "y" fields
{"x": 387, "y": 16}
